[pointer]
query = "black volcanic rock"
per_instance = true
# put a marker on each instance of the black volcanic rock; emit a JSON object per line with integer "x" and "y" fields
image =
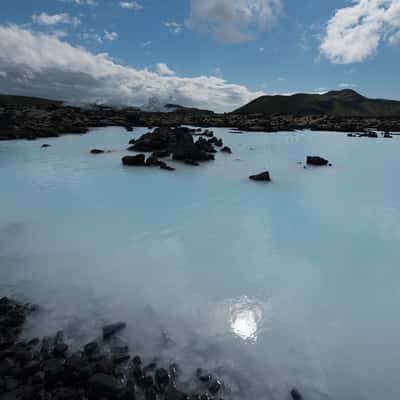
{"x": 226, "y": 149}
{"x": 110, "y": 330}
{"x": 134, "y": 161}
{"x": 317, "y": 161}
{"x": 261, "y": 177}
{"x": 296, "y": 395}
{"x": 97, "y": 151}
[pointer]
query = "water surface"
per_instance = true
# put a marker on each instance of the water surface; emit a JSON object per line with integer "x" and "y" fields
{"x": 292, "y": 283}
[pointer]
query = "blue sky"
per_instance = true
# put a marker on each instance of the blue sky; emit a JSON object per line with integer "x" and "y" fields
{"x": 250, "y": 47}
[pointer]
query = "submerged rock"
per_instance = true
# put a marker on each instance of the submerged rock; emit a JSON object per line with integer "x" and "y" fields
{"x": 97, "y": 151}
{"x": 45, "y": 145}
{"x": 317, "y": 161}
{"x": 261, "y": 177}
{"x": 134, "y": 161}
{"x": 226, "y": 149}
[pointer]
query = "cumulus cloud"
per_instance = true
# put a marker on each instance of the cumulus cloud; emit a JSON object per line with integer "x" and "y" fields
{"x": 174, "y": 27}
{"x": 131, "y": 5}
{"x": 38, "y": 64}
{"x": 163, "y": 69}
{"x": 355, "y": 32}
{"x": 233, "y": 20}
{"x": 55, "y": 19}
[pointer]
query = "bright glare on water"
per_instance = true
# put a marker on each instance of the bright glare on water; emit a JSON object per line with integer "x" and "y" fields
{"x": 292, "y": 283}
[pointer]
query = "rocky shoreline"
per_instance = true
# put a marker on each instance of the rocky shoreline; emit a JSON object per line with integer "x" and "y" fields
{"x": 47, "y": 369}
{"x": 51, "y": 120}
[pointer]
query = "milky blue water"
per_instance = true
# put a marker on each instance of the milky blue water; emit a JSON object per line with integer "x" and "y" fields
{"x": 292, "y": 283}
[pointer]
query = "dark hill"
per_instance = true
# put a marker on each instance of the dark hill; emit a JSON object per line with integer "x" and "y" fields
{"x": 339, "y": 103}
{"x": 11, "y": 100}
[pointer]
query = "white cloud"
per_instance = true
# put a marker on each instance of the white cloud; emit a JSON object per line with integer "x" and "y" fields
{"x": 345, "y": 85}
{"x": 163, "y": 69}
{"x": 110, "y": 36}
{"x": 99, "y": 38}
{"x": 146, "y": 44}
{"x": 54, "y": 19}
{"x": 355, "y": 32}
{"x": 38, "y": 64}
{"x": 81, "y": 2}
{"x": 233, "y": 20}
{"x": 174, "y": 27}
{"x": 131, "y": 5}
{"x": 92, "y": 37}
{"x": 261, "y": 49}
{"x": 394, "y": 39}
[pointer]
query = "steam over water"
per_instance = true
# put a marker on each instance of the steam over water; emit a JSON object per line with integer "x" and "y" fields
{"x": 293, "y": 283}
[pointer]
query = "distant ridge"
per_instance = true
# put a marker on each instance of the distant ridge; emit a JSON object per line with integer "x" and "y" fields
{"x": 12, "y": 100}
{"x": 337, "y": 103}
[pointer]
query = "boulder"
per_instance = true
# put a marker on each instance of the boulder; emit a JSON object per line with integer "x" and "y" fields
{"x": 91, "y": 349}
{"x": 162, "y": 377}
{"x": 102, "y": 385}
{"x": 120, "y": 354}
{"x": 261, "y": 177}
{"x": 60, "y": 349}
{"x": 45, "y": 145}
{"x": 204, "y": 145}
{"x": 110, "y": 330}
{"x": 134, "y": 161}
{"x": 317, "y": 161}
{"x": 174, "y": 394}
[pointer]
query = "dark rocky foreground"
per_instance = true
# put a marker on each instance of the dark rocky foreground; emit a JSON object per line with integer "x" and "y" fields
{"x": 22, "y": 121}
{"x": 46, "y": 369}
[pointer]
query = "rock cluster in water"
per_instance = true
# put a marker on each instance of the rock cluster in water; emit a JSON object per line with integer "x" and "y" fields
{"x": 177, "y": 143}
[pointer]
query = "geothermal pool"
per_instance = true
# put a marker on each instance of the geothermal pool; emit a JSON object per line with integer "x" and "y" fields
{"x": 292, "y": 283}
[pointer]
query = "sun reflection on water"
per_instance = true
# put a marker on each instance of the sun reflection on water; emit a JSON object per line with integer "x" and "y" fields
{"x": 245, "y": 318}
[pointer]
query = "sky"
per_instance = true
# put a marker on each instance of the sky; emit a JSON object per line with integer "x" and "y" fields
{"x": 213, "y": 54}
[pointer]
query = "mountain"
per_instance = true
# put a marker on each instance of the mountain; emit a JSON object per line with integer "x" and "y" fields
{"x": 339, "y": 103}
{"x": 11, "y": 100}
{"x": 186, "y": 110}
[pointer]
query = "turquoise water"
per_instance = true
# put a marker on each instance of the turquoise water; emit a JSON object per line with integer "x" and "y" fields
{"x": 292, "y": 283}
